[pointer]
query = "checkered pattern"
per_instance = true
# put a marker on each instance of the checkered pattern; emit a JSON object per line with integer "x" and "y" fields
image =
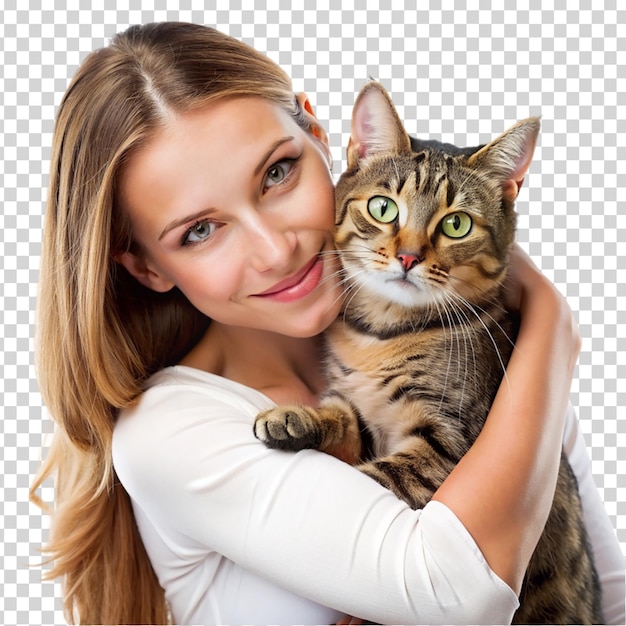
{"x": 463, "y": 72}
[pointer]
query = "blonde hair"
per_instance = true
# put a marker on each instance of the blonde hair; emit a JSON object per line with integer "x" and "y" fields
{"x": 100, "y": 333}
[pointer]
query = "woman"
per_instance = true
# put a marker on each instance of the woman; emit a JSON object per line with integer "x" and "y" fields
{"x": 188, "y": 184}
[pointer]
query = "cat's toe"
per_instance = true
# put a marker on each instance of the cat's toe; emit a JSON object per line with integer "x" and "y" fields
{"x": 286, "y": 428}
{"x": 271, "y": 426}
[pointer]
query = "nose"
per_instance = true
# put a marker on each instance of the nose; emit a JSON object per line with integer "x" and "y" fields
{"x": 409, "y": 260}
{"x": 271, "y": 245}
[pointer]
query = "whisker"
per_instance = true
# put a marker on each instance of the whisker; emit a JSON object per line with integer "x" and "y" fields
{"x": 475, "y": 307}
{"x": 443, "y": 327}
{"x": 471, "y": 308}
{"x": 489, "y": 299}
{"x": 354, "y": 288}
{"x": 466, "y": 331}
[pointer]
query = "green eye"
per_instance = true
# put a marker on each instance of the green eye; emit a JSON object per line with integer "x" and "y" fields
{"x": 456, "y": 225}
{"x": 383, "y": 209}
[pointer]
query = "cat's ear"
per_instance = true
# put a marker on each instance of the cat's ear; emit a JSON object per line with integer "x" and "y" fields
{"x": 376, "y": 126}
{"x": 508, "y": 156}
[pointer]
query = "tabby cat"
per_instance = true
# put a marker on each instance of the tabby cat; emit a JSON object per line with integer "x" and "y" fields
{"x": 424, "y": 230}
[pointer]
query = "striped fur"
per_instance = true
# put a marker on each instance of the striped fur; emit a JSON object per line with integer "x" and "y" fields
{"x": 417, "y": 356}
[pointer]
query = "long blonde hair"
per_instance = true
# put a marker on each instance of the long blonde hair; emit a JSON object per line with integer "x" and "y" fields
{"x": 100, "y": 333}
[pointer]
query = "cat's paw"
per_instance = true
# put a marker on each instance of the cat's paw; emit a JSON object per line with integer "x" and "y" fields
{"x": 288, "y": 428}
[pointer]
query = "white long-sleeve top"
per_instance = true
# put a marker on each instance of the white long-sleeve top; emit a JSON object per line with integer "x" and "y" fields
{"x": 240, "y": 534}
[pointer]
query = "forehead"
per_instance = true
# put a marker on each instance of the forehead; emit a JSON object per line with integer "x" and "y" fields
{"x": 210, "y": 145}
{"x": 246, "y": 118}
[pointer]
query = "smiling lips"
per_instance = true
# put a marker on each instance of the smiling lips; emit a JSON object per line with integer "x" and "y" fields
{"x": 299, "y": 285}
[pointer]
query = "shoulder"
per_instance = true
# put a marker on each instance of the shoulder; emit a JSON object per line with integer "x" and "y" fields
{"x": 178, "y": 396}
{"x": 173, "y": 380}
{"x": 182, "y": 412}
{"x": 178, "y": 390}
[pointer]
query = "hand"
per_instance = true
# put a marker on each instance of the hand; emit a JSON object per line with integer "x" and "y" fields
{"x": 530, "y": 293}
{"x": 523, "y": 275}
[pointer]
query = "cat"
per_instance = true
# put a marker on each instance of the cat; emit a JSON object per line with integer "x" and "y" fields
{"x": 423, "y": 230}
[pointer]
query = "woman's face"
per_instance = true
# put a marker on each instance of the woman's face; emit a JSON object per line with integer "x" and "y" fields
{"x": 234, "y": 204}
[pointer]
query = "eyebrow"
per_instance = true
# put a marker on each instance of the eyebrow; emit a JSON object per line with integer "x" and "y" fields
{"x": 266, "y": 157}
{"x": 182, "y": 221}
{"x": 196, "y": 216}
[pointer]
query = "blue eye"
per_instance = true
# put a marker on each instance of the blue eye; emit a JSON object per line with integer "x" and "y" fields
{"x": 278, "y": 172}
{"x": 199, "y": 232}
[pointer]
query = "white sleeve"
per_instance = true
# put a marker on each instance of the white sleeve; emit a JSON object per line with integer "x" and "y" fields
{"x": 608, "y": 557}
{"x": 306, "y": 522}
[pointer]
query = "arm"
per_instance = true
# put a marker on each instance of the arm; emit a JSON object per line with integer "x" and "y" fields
{"x": 503, "y": 487}
{"x": 306, "y": 523}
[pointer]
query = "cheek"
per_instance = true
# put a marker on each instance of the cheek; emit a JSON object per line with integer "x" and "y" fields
{"x": 317, "y": 200}
{"x": 469, "y": 283}
{"x": 205, "y": 280}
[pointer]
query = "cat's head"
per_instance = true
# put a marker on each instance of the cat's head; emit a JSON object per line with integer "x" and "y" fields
{"x": 417, "y": 221}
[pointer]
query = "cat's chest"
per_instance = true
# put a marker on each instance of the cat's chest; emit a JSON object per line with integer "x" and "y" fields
{"x": 378, "y": 357}
{"x": 370, "y": 355}
{"x": 367, "y": 370}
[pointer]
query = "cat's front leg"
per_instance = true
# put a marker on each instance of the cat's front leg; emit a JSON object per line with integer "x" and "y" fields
{"x": 413, "y": 474}
{"x": 289, "y": 427}
{"x": 333, "y": 427}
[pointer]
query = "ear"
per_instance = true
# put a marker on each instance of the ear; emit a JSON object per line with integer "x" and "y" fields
{"x": 317, "y": 130}
{"x": 141, "y": 269}
{"x": 508, "y": 156}
{"x": 376, "y": 126}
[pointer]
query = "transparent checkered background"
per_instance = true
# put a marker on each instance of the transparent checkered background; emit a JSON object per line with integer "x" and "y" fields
{"x": 463, "y": 73}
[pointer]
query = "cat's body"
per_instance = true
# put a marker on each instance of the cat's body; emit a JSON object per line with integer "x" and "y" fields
{"x": 414, "y": 362}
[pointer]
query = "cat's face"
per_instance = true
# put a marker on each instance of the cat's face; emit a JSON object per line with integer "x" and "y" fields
{"x": 418, "y": 227}
{"x": 414, "y": 227}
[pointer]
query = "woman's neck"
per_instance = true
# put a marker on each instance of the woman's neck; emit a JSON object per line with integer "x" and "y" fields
{"x": 287, "y": 369}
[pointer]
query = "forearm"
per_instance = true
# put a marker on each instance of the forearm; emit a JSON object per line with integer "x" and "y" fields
{"x": 240, "y": 504}
{"x": 502, "y": 489}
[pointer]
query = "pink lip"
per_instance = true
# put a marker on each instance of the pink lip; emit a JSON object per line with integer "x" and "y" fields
{"x": 297, "y": 286}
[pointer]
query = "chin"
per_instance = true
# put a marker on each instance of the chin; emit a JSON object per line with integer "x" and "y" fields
{"x": 311, "y": 324}
{"x": 304, "y": 332}
{"x": 401, "y": 292}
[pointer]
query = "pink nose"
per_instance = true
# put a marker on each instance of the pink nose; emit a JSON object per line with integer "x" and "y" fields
{"x": 409, "y": 261}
